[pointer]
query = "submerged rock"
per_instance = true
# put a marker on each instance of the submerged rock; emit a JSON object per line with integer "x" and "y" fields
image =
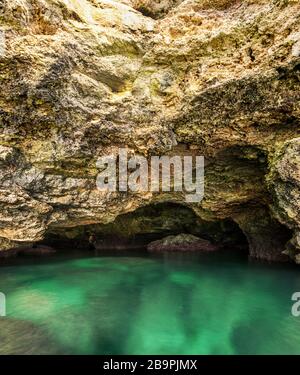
{"x": 182, "y": 242}
{"x": 20, "y": 337}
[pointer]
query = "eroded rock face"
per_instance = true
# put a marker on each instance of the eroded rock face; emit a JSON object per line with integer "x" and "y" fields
{"x": 79, "y": 79}
{"x": 155, "y": 8}
{"x": 266, "y": 237}
{"x": 285, "y": 183}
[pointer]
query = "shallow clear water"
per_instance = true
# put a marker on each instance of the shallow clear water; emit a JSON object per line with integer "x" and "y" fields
{"x": 173, "y": 304}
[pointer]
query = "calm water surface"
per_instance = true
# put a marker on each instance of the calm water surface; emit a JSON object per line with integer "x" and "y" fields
{"x": 172, "y": 304}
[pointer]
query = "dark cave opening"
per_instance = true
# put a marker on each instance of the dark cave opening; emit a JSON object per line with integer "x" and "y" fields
{"x": 135, "y": 230}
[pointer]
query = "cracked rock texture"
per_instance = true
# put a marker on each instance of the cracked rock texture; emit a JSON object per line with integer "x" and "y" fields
{"x": 81, "y": 78}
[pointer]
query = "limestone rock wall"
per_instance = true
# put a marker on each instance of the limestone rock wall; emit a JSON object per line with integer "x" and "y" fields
{"x": 81, "y": 78}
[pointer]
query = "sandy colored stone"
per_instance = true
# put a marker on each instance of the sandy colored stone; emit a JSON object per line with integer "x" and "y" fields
{"x": 181, "y": 243}
{"x": 81, "y": 78}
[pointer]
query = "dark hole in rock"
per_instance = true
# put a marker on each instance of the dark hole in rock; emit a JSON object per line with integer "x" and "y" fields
{"x": 146, "y": 12}
{"x": 134, "y": 231}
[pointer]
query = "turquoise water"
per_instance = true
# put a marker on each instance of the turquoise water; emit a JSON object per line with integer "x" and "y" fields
{"x": 173, "y": 304}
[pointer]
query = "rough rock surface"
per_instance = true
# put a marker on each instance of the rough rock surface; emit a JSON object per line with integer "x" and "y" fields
{"x": 181, "y": 242}
{"x": 285, "y": 183}
{"x": 81, "y": 78}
